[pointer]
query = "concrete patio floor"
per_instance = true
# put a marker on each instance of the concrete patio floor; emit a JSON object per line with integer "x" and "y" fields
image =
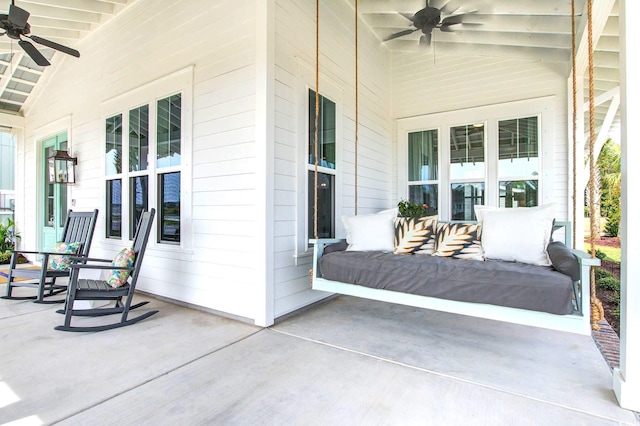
{"x": 345, "y": 361}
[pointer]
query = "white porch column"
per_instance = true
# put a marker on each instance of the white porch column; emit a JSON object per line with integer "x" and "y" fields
{"x": 626, "y": 379}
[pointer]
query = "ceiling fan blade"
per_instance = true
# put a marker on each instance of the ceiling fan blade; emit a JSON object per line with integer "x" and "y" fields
{"x": 453, "y": 20}
{"x": 31, "y": 50}
{"x": 56, "y": 46}
{"x": 450, "y": 7}
{"x": 400, "y": 34}
{"x": 425, "y": 39}
{"x": 17, "y": 16}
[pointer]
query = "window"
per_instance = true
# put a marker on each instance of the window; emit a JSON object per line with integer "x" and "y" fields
{"x": 493, "y": 158}
{"x": 326, "y": 167}
{"x": 518, "y": 165}
{"x": 466, "y": 169}
{"x": 168, "y": 156}
{"x": 138, "y": 165}
{"x": 136, "y": 149}
{"x": 423, "y": 169}
{"x": 113, "y": 169}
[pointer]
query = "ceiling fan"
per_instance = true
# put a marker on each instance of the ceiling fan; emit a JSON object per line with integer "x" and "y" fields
{"x": 15, "y": 26}
{"x": 428, "y": 19}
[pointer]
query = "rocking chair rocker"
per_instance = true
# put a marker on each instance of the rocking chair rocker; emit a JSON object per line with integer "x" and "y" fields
{"x": 91, "y": 289}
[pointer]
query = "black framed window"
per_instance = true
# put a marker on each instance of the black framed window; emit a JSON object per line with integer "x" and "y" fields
{"x": 326, "y": 166}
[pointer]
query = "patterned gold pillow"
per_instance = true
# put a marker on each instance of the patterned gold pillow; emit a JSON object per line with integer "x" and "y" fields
{"x": 414, "y": 235}
{"x": 458, "y": 240}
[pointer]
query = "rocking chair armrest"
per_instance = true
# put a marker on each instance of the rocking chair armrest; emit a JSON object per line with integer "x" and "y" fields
{"x": 86, "y": 266}
{"x": 25, "y": 252}
{"x": 89, "y": 259}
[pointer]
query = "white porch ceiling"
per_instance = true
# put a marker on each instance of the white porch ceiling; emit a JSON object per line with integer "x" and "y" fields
{"x": 62, "y": 21}
{"x": 538, "y": 30}
{"x": 523, "y": 29}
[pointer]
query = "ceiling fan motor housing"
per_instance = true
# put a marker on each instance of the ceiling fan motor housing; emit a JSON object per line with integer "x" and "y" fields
{"x": 426, "y": 19}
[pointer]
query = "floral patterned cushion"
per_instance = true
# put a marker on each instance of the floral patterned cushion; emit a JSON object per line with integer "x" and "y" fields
{"x": 460, "y": 241}
{"x": 414, "y": 235}
{"x": 119, "y": 277}
{"x": 61, "y": 262}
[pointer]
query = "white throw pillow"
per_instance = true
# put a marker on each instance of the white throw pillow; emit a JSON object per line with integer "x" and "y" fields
{"x": 370, "y": 232}
{"x": 517, "y": 234}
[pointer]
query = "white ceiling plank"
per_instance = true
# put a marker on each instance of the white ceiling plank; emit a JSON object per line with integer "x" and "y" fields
{"x": 37, "y": 22}
{"x": 83, "y": 5}
{"x": 64, "y": 14}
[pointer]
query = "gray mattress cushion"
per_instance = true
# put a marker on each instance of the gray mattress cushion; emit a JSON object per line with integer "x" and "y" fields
{"x": 518, "y": 285}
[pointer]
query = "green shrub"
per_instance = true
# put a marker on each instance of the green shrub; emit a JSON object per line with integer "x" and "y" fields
{"x": 612, "y": 228}
{"x": 5, "y": 258}
{"x": 609, "y": 283}
{"x": 616, "y": 313}
{"x": 600, "y": 254}
{"x": 615, "y": 297}
{"x": 603, "y": 273}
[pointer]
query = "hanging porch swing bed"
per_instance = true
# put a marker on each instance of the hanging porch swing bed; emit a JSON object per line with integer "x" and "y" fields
{"x": 551, "y": 285}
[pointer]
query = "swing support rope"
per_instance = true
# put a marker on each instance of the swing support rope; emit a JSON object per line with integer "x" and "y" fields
{"x": 316, "y": 146}
{"x": 355, "y": 161}
{"x": 317, "y": 119}
{"x": 597, "y": 311}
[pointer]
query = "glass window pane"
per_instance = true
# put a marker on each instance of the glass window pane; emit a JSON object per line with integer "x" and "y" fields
{"x": 464, "y": 196}
{"x": 327, "y": 133}
{"x": 113, "y": 148}
{"x": 326, "y": 195}
{"x": 169, "y": 131}
{"x": 114, "y": 208}
{"x": 518, "y": 147}
{"x": 467, "y": 152}
{"x": 169, "y": 206}
{"x": 519, "y": 193}
{"x": 139, "y": 201}
{"x": 425, "y": 194}
{"x": 138, "y": 138}
{"x": 423, "y": 155}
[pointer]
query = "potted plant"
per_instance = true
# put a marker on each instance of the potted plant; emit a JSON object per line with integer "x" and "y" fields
{"x": 408, "y": 209}
{"x": 8, "y": 238}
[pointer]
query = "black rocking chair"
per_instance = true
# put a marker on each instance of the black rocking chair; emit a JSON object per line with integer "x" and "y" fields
{"x": 78, "y": 227}
{"x": 100, "y": 290}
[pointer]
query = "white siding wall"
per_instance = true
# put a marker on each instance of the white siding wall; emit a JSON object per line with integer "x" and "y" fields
{"x": 295, "y": 63}
{"x": 149, "y": 40}
{"x": 453, "y": 83}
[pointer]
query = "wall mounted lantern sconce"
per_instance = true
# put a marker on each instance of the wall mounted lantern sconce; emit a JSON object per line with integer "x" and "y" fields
{"x": 61, "y": 168}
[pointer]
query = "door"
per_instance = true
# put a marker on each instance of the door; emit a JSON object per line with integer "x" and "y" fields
{"x": 54, "y": 195}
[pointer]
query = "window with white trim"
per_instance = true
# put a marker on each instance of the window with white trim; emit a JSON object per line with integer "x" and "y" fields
{"x": 492, "y": 159}
{"x": 153, "y": 172}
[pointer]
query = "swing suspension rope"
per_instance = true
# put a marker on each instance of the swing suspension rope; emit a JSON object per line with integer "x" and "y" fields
{"x": 597, "y": 311}
{"x": 317, "y": 119}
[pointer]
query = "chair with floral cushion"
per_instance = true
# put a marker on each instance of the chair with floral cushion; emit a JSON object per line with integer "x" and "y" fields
{"x": 118, "y": 287}
{"x": 76, "y": 241}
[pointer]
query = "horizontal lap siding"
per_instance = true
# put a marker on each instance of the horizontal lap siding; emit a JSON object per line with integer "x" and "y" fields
{"x": 421, "y": 87}
{"x": 149, "y": 40}
{"x": 295, "y": 47}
